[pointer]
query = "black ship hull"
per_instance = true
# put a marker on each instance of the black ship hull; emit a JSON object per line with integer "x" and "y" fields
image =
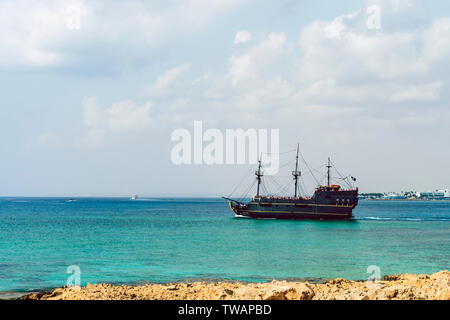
{"x": 327, "y": 203}
{"x": 294, "y": 215}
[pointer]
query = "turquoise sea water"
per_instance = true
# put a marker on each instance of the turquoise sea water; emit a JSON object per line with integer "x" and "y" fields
{"x": 162, "y": 240}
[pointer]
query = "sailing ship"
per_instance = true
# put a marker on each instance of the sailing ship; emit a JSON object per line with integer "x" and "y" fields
{"x": 329, "y": 202}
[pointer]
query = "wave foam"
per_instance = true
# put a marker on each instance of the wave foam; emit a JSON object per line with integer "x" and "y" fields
{"x": 401, "y": 219}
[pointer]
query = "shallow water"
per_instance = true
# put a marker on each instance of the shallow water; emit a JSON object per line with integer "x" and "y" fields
{"x": 161, "y": 240}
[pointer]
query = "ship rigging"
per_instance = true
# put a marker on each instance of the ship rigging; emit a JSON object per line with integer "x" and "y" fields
{"x": 329, "y": 201}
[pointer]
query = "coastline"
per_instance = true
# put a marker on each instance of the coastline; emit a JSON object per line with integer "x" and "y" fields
{"x": 396, "y": 287}
{"x": 415, "y": 200}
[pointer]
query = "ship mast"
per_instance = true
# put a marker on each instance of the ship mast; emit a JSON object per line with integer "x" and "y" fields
{"x": 258, "y": 174}
{"x": 296, "y": 173}
{"x": 328, "y": 171}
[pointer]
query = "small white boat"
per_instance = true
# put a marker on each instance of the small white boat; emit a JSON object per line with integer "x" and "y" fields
{"x": 134, "y": 197}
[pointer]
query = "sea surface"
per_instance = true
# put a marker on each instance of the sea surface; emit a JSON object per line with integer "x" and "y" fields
{"x": 160, "y": 240}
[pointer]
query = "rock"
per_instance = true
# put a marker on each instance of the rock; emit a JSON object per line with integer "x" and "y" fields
{"x": 278, "y": 293}
{"x": 400, "y": 287}
{"x": 444, "y": 295}
{"x": 171, "y": 288}
{"x": 288, "y": 291}
{"x": 441, "y": 278}
{"x": 225, "y": 294}
{"x": 391, "y": 293}
{"x": 304, "y": 292}
{"x": 229, "y": 292}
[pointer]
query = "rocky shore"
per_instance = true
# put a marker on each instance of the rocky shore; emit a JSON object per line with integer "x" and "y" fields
{"x": 398, "y": 287}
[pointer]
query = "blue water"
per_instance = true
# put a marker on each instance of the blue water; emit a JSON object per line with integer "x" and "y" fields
{"x": 162, "y": 240}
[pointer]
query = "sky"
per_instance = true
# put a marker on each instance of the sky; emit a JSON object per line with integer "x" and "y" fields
{"x": 91, "y": 91}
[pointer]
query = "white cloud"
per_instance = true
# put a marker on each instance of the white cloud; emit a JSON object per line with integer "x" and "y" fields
{"x": 339, "y": 72}
{"x": 437, "y": 41}
{"x": 126, "y": 115}
{"x": 164, "y": 81}
{"x": 242, "y": 36}
{"x": 427, "y": 92}
{"x": 336, "y": 48}
{"x": 28, "y": 32}
{"x": 328, "y": 91}
{"x": 248, "y": 64}
{"x": 93, "y": 114}
{"x": 337, "y": 76}
{"x": 343, "y": 51}
{"x": 338, "y": 26}
{"x": 121, "y": 116}
{"x": 45, "y": 33}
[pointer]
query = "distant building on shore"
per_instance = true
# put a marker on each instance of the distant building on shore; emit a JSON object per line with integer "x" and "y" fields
{"x": 441, "y": 194}
{"x": 370, "y": 196}
{"x": 393, "y": 196}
